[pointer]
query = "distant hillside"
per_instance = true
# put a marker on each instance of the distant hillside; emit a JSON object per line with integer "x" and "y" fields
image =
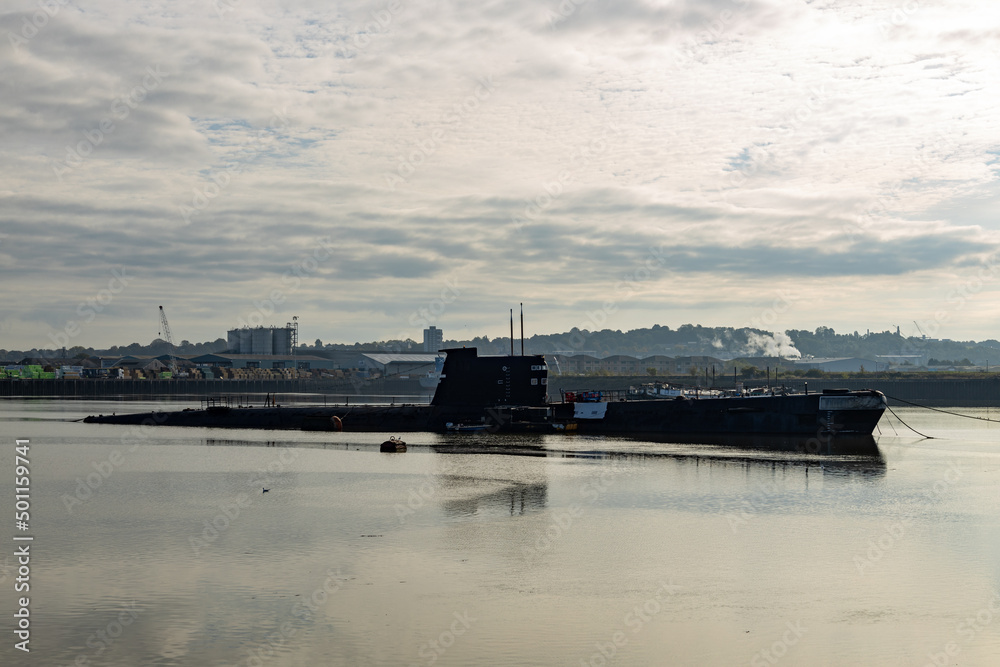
{"x": 154, "y": 348}
{"x": 730, "y": 343}
{"x": 686, "y": 340}
{"x": 722, "y": 342}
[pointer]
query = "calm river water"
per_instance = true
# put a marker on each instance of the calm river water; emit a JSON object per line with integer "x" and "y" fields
{"x": 161, "y": 548}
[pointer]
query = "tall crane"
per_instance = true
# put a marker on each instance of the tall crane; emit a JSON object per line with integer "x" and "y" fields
{"x": 923, "y": 336}
{"x": 165, "y": 332}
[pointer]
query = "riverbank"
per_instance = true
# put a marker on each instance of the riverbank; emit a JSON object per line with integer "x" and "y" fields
{"x": 982, "y": 392}
{"x": 139, "y": 389}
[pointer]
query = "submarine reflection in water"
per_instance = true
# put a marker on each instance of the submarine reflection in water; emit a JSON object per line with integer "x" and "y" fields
{"x": 847, "y": 453}
{"x": 843, "y": 451}
{"x": 516, "y": 499}
{"x": 768, "y": 462}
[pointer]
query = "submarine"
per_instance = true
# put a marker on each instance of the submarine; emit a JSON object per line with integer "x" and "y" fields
{"x": 508, "y": 394}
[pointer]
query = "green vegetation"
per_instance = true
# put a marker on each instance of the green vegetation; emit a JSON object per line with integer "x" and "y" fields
{"x": 944, "y": 362}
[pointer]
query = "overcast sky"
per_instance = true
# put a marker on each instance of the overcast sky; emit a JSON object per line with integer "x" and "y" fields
{"x": 376, "y": 167}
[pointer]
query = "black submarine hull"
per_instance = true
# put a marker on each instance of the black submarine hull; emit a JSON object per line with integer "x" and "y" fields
{"x": 803, "y": 415}
{"x": 370, "y": 418}
{"x": 508, "y": 395}
{"x": 854, "y": 413}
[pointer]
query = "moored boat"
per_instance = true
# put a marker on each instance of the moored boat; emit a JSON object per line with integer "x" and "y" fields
{"x": 509, "y": 394}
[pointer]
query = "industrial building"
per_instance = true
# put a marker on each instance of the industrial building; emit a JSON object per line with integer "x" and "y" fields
{"x": 699, "y": 363}
{"x": 398, "y": 364}
{"x": 264, "y": 340}
{"x": 841, "y": 364}
{"x": 143, "y": 362}
{"x": 266, "y": 361}
{"x": 56, "y": 362}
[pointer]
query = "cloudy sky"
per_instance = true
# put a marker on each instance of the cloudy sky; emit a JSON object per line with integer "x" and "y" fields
{"x": 376, "y": 167}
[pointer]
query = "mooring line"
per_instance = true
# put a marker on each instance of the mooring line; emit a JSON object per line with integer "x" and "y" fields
{"x": 929, "y": 437}
{"x": 947, "y": 412}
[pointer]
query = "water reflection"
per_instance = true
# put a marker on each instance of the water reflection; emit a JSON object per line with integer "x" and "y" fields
{"x": 853, "y": 455}
{"x": 850, "y": 455}
{"x": 844, "y": 445}
{"x": 518, "y": 499}
{"x": 547, "y": 540}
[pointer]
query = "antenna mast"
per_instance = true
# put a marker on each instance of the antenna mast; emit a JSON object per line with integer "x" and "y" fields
{"x": 522, "y": 329}
{"x": 512, "y": 332}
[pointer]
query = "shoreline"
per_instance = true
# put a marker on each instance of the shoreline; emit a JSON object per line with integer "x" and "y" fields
{"x": 943, "y": 392}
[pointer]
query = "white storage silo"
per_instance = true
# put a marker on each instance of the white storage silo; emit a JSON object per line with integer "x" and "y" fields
{"x": 245, "y": 340}
{"x": 260, "y": 342}
{"x": 281, "y": 341}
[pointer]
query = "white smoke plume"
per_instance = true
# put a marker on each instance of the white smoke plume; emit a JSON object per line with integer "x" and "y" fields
{"x": 772, "y": 345}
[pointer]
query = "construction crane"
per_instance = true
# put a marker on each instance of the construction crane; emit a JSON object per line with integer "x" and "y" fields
{"x": 923, "y": 336}
{"x": 165, "y": 333}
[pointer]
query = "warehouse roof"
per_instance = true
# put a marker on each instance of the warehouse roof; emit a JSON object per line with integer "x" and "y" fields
{"x": 401, "y": 358}
{"x": 206, "y": 358}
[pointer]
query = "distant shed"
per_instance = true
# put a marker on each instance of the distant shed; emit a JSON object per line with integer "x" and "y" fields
{"x": 268, "y": 361}
{"x": 840, "y": 364}
{"x": 399, "y": 363}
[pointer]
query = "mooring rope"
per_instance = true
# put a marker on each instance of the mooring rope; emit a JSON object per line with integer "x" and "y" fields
{"x": 929, "y": 437}
{"x": 947, "y": 412}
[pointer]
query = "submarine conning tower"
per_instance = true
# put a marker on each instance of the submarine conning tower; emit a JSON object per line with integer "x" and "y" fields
{"x": 468, "y": 380}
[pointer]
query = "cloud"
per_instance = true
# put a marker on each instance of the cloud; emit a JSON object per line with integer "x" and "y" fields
{"x": 746, "y": 145}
